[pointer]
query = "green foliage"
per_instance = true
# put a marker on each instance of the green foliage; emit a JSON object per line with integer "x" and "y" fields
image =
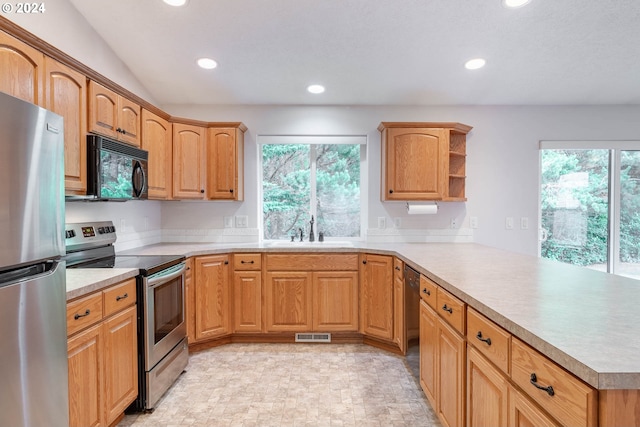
{"x": 591, "y": 201}
{"x": 287, "y": 190}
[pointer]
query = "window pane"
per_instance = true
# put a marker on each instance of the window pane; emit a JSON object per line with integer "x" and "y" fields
{"x": 338, "y": 190}
{"x": 574, "y": 202}
{"x": 285, "y": 187}
{"x": 629, "y": 264}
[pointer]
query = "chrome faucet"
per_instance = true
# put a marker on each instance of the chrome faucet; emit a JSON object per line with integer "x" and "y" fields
{"x": 301, "y": 234}
{"x": 311, "y": 236}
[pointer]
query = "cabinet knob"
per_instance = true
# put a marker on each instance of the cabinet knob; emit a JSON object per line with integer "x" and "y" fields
{"x": 390, "y": 191}
{"x": 226, "y": 262}
{"x": 364, "y": 261}
{"x": 202, "y": 191}
{"x": 397, "y": 268}
{"x": 231, "y": 191}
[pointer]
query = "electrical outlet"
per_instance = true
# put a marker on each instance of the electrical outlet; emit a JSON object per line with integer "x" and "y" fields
{"x": 524, "y": 223}
{"x": 397, "y": 222}
{"x": 508, "y": 224}
{"x": 382, "y": 222}
{"x": 228, "y": 222}
{"x": 241, "y": 221}
{"x": 454, "y": 223}
{"x": 473, "y": 222}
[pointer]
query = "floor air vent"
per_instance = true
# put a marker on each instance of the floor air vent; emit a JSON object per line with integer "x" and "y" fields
{"x": 313, "y": 337}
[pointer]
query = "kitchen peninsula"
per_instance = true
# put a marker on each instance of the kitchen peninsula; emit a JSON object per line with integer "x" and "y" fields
{"x": 584, "y": 321}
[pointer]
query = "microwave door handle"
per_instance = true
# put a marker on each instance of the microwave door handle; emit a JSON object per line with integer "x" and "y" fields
{"x": 138, "y": 179}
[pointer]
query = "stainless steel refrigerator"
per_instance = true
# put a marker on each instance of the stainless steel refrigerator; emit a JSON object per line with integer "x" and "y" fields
{"x": 33, "y": 347}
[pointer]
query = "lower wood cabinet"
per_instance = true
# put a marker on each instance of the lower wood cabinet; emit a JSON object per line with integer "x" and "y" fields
{"x": 288, "y": 301}
{"x": 487, "y": 392}
{"x": 524, "y": 413}
{"x": 335, "y": 301}
{"x": 212, "y": 302}
{"x": 442, "y": 367}
{"x": 190, "y": 303}
{"x": 247, "y": 301}
{"x": 376, "y": 296}
{"x": 102, "y": 355}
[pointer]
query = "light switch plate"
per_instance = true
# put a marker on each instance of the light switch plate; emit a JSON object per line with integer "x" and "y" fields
{"x": 241, "y": 221}
{"x": 228, "y": 222}
{"x": 382, "y": 223}
{"x": 509, "y": 223}
{"x": 397, "y": 222}
{"x": 473, "y": 222}
{"x": 524, "y": 223}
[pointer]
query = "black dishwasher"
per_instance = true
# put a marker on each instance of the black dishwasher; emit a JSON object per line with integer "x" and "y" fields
{"x": 412, "y": 319}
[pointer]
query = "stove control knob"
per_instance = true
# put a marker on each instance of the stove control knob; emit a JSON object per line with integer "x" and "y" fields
{"x": 100, "y": 230}
{"x": 112, "y": 229}
{"x": 69, "y": 234}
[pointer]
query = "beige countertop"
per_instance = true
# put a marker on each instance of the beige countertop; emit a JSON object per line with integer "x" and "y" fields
{"x": 584, "y": 320}
{"x": 84, "y": 281}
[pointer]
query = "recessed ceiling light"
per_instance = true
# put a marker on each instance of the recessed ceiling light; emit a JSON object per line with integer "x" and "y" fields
{"x": 207, "y": 63}
{"x": 474, "y": 64}
{"x": 315, "y": 88}
{"x": 175, "y": 2}
{"x": 514, "y": 3}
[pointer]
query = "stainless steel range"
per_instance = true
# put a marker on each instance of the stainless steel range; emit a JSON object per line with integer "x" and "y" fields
{"x": 162, "y": 331}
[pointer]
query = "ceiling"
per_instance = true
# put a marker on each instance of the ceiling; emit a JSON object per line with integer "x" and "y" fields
{"x": 377, "y": 52}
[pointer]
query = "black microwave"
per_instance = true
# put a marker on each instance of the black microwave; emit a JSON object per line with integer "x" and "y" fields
{"x": 115, "y": 171}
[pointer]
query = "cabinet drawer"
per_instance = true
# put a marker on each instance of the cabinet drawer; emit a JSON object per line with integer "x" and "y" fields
{"x": 451, "y": 309}
{"x": 119, "y": 297}
{"x": 428, "y": 292}
{"x": 247, "y": 262}
{"x": 570, "y": 401}
{"x": 311, "y": 262}
{"x": 84, "y": 312}
{"x": 489, "y": 338}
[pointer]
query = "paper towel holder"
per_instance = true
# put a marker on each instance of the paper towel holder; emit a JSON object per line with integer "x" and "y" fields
{"x": 422, "y": 209}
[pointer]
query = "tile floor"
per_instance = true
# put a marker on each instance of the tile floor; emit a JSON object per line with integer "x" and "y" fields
{"x": 292, "y": 385}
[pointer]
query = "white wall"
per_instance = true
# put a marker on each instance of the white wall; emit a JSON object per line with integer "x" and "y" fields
{"x": 502, "y": 162}
{"x": 65, "y": 28}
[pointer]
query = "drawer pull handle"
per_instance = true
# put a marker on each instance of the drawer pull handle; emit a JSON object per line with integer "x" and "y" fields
{"x": 548, "y": 389}
{"x": 426, "y": 291}
{"x": 449, "y": 309}
{"x": 119, "y": 297}
{"x": 86, "y": 313}
{"x": 487, "y": 340}
{"x": 246, "y": 262}
{"x": 397, "y": 268}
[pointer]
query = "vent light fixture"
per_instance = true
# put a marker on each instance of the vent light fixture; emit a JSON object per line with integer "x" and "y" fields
{"x": 207, "y": 63}
{"x": 514, "y": 3}
{"x": 175, "y": 2}
{"x": 315, "y": 89}
{"x": 474, "y": 64}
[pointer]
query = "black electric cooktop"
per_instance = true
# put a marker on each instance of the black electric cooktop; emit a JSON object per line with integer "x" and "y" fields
{"x": 147, "y": 264}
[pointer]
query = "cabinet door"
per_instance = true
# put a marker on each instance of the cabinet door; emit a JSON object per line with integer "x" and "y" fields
{"x": 524, "y": 413}
{"x": 288, "y": 301}
{"x": 120, "y": 362}
{"x": 416, "y": 164}
{"x": 428, "y": 352}
{"x": 376, "y": 296}
{"x": 66, "y": 95}
{"x": 22, "y": 70}
{"x": 86, "y": 378}
{"x": 335, "y": 301}
{"x": 188, "y": 161}
{"x": 190, "y": 305}
{"x": 212, "y": 296}
{"x": 103, "y": 110}
{"x": 399, "y": 331}
{"x": 157, "y": 139}
{"x": 247, "y": 301}
{"x": 128, "y": 121}
{"x": 450, "y": 394}
{"x": 222, "y": 162}
{"x": 487, "y": 392}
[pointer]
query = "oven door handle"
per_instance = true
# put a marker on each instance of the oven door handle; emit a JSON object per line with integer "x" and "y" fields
{"x": 165, "y": 275}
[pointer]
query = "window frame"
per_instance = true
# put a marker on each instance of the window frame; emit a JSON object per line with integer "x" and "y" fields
{"x": 314, "y": 140}
{"x": 615, "y": 149}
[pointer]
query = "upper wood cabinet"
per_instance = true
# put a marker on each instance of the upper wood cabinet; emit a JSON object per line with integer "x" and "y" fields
{"x": 376, "y": 296}
{"x": 21, "y": 70}
{"x": 188, "y": 161}
{"x": 157, "y": 137}
{"x": 66, "y": 94}
{"x": 225, "y": 162}
{"x": 113, "y": 115}
{"x": 423, "y": 161}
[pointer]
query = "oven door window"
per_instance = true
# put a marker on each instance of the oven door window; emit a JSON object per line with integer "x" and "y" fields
{"x": 168, "y": 308}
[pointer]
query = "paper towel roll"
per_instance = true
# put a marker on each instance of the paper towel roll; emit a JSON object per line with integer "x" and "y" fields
{"x": 422, "y": 209}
